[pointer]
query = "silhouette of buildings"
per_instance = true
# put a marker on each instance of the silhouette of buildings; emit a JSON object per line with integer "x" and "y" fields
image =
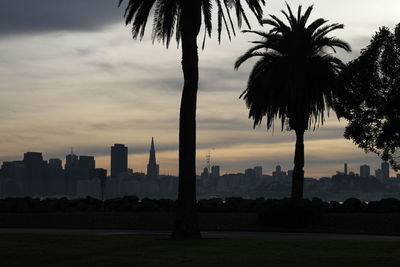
{"x": 86, "y": 164}
{"x": 379, "y": 174}
{"x": 215, "y": 171}
{"x": 365, "y": 171}
{"x": 119, "y": 165}
{"x": 35, "y": 172}
{"x": 55, "y": 164}
{"x": 278, "y": 174}
{"x": 71, "y": 161}
{"x": 258, "y": 172}
{"x": 119, "y": 160}
{"x": 36, "y": 177}
{"x": 152, "y": 166}
{"x": 385, "y": 170}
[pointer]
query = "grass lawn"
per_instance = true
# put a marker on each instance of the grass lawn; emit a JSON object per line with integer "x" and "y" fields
{"x": 73, "y": 250}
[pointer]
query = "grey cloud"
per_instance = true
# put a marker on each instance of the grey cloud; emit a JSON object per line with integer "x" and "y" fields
{"x": 32, "y": 16}
{"x": 221, "y": 78}
{"x": 133, "y": 124}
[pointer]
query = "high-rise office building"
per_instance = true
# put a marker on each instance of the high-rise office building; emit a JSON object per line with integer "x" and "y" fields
{"x": 249, "y": 173}
{"x": 55, "y": 178}
{"x": 365, "y": 171}
{"x": 35, "y": 172}
{"x": 86, "y": 164}
{"x": 119, "y": 160}
{"x": 385, "y": 170}
{"x": 215, "y": 171}
{"x": 378, "y": 174}
{"x": 55, "y": 164}
{"x": 71, "y": 161}
{"x": 258, "y": 171}
{"x": 278, "y": 173}
{"x": 152, "y": 166}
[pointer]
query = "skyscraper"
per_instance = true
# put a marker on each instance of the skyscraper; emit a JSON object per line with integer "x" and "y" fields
{"x": 55, "y": 164}
{"x": 35, "y": 170}
{"x": 378, "y": 174}
{"x": 71, "y": 173}
{"x": 86, "y": 165}
{"x": 258, "y": 171}
{"x": 215, "y": 171}
{"x": 152, "y": 166}
{"x": 119, "y": 160}
{"x": 71, "y": 161}
{"x": 365, "y": 171}
{"x": 385, "y": 170}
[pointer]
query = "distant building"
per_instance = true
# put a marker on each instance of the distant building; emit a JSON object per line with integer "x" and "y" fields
{"x": 215, "y": 171}
{"x": 35, "y": 173}
{"x": 345, "y": 169}
{"x": 379, "y": 174}
{"x": 258, "y": 172}
{"x": 385, "y": 170}
{"x": 119, "y": 160}
{"x": 77, "y": 168}
{"x": 86, "y": 165}
{"x": 278, "y": 173}
{"x": 205, "y": 174}
{"x": 152, "y": 166}
{"x": 55, "y": 164}
{"x": 71, "y": 161}
{"x": 365, "y": 171}
{"x": 71, "y": 173}
{"x": 13, "y": 179}
{"x": 55, "y": 178}
{"x": 250, "y": 173}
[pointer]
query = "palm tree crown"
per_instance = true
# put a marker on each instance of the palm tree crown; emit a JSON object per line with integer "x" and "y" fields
{"x": 167, "y": 16}
{"x": 294, "y": 79}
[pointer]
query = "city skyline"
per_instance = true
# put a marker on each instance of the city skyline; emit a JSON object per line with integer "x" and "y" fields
{"x": 155, "y": 170}
{"x": 110, "y": 94}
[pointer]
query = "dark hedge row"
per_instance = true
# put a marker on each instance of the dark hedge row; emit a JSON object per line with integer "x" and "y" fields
{"x": 232, "y": 204}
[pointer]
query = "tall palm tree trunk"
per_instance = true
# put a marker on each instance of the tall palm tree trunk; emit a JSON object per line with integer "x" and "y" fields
{"x": 298, "y": 172}
{"x": 186, "y": 223}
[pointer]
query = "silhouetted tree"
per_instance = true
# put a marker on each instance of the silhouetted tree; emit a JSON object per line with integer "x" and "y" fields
{"x": 295, "y": 78}
{"x": 185, "y": 18}
{"x": 370, "y": 100}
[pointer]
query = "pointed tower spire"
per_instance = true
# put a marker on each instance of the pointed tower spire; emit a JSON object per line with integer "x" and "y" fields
{"x": 152, "y": 167}
{"x": 152, "y": 144}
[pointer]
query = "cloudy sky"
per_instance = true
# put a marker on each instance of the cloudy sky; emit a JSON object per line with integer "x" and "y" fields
{"x": 71, "y": 76}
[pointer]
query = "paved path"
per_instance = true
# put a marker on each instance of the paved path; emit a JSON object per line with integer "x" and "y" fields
{"x": 211, "y": 234}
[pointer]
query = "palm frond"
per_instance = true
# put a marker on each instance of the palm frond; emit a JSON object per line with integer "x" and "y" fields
{"x": 167, "y": 19}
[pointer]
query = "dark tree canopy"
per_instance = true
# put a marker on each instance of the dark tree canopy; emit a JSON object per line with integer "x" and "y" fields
{"x": 295, "y": 78}
{"x": 167, "y": 16}
{"x": 370, "y": 99}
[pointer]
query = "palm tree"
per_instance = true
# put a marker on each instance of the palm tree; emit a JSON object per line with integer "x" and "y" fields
{"x": 186, "y": 18}
{"x": 294, "y": 79}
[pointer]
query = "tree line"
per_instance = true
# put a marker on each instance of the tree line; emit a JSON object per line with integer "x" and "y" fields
{"x": 229, "y": 204}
